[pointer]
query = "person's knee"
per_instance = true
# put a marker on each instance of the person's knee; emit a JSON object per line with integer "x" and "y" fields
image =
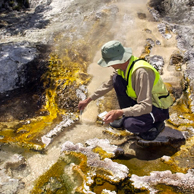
{"x": 131, "y": 126}
{"x": 136, "y": 126}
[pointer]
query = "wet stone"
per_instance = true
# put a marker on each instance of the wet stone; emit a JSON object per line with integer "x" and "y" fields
{"x": 164, "y": 30}
{"x": 112, "y": 150}
{"x": 14, "y": 61}
{"x": 148, "y": 31}
{"x": 176, "y": 59}
{"x": 168, "y": 136}
{"x": 183, "y": 182}
{"x": 102, "y": 171}
{"x": 154, "y": 13}
{"x": 158, "y": 42}
{"x": 157, "y": 62}
{"x": 118, "y": 137}
{"x": 11, "y": 171}
{"x": 141, "y": 16}
{"x": 150, "y": 41}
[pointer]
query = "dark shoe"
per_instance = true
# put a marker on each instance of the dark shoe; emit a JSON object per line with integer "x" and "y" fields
{"x": 160, "y": 125}
{"x": 149, "y": 135}
{"x": 153, "y": 132}
{"x": 117, "y": 123}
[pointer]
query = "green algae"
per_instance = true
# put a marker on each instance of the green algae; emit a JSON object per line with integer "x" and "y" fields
{"x": 53, "y": 180}
{"x": 70, "y": 174}
{"x": 120, "y": 188}
{"x": 145, "y": 167}
{"x": 62, "y": 177}
{"x": 166, "y": 189}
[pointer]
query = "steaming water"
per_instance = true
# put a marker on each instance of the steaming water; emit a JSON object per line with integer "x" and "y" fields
{"x": 130, "y": 30}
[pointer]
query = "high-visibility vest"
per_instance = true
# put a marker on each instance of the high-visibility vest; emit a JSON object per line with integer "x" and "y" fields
{"x": 160, "y": 95}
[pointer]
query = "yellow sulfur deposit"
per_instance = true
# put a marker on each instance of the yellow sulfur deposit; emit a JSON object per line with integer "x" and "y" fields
{"x": 63, "y": 74}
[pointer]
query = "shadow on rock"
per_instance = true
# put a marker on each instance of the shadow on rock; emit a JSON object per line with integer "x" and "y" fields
{"x": 167, "y": 143}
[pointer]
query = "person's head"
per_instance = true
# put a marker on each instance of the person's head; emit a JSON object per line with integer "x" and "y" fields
{"x": 114, "y": 54}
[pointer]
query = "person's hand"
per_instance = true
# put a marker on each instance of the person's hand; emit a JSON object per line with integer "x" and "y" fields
{"x": 112, "y": 115}
{"x": 82, "y": 104}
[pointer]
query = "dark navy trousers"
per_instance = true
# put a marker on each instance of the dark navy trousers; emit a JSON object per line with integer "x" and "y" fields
{"x": 139, "y": 123}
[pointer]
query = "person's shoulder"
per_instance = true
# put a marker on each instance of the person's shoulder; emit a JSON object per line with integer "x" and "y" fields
{"x": 144, "y": 71}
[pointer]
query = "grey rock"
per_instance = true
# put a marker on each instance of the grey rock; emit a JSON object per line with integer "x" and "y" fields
{"x": 157, "y": 62}
{"x": 105, "y": 145}
{"x": 150, "y": 41}
{"x": 178, "y": 16}
{"x": 169, "y": 136}
{"x": 163, "y": 29}
{"x": 154, "y": 13}
{"x": 174, "y": 11}
{"x": 35, "y": 3}
{"x": 118, "y": 171}
{"x": 14, "y": 59}
{"x": 158, "y": 42}
{"x": 179, "y": 180}
{"x": 9, "y": 180}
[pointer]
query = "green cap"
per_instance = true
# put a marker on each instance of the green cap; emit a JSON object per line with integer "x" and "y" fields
{"x": 114, "y": 53}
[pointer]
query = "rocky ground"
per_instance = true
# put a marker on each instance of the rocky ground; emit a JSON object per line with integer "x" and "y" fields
{"x": 48, "y": 53}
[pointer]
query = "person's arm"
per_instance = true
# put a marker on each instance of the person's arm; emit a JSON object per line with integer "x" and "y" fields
{"x": 104, "y": 88}
{"x": 112, "y": 115}
{"x": 82, "y": 104}
{"x": 142, "y": 83}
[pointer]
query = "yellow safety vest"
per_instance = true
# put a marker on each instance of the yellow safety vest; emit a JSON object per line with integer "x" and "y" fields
{"x": 160, "y": 95}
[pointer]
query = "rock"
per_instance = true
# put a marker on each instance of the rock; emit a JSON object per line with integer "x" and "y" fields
{"x": 158, "y": 42}
{"x": 9, "y": 178}
{"x": 164, "y": 30}
{"x": 66, "y": 122}
{"x": 77, "y": 22}
{"x": 81, "y": 92}
{"x": 80, "y": 169}
{"x": 174, "y": 11}
{"x": 183, "y": 182}
{"x": 154, "y": 13}
{"x": 141, "y": 16}
{"x": 178, "y": 17}
{"x": 36, "y": 3}
{"x": 150, "y": 41}
{"x": 15, "y": 59}
{"x": 14, "y": 162}
{"x": 118, "y": 171}
{"x": 148, "y": 31}
{"x": 168, "y": 136}
{"x": 176, "y": 58}
{"x": 118, "y": 137}
{"x": 14, "y": 4}
{"x": 189, "y": 75}
{"x": 111, "y": 151}
{"x": 7, "y": 184}
{"x": 94, "y": 172}
{"x": 157, "y": 62}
